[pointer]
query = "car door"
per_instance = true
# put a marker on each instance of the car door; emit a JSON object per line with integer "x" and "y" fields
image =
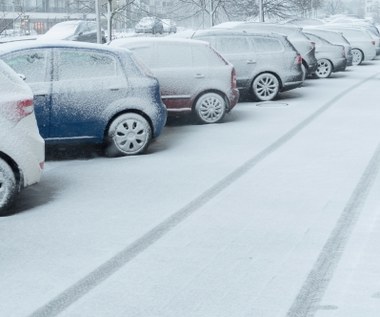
{"x": 179, "y": 78}
{"x": 85, "y": 83}
{"x": 36, "y": 66}
{"x": 239, "y": 52}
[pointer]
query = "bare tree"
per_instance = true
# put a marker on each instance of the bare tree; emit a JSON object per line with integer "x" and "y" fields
{"x": 334, "y": 7}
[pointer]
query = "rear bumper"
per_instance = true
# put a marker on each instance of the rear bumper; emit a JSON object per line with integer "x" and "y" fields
{"x": 29, "y": 154}
{"x": 233, "y": 98}
{"x": 340, "y": 65}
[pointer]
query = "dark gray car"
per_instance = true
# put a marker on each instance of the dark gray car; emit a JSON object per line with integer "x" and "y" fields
{"x": 265, "y": 64}
{"x": 333, "y": 37}
{"x": 331, "y": 57}
{"x": 295, "y": 36}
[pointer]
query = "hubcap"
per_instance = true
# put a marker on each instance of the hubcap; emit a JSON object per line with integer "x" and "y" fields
{"x": 266, "y": 87}
{"x": 356, "y": 57}
{"x": 211, "y": 109}
{"x": 131, "y": 135}
{"x": 324, "y": 68}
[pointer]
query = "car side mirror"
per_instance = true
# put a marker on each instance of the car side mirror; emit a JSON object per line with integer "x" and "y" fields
{"x": 22, "y": 76}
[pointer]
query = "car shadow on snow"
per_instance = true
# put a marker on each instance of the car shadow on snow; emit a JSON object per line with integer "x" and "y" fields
{"x": 37, "y": 195}
{"x": 73, "y": 152}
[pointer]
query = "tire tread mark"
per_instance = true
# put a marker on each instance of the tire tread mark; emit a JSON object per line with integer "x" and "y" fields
{"x": 76, "y": 291}
{"x": 307, "y": 301}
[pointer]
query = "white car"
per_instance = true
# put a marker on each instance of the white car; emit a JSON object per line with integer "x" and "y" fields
{"x": 22, "y": 149}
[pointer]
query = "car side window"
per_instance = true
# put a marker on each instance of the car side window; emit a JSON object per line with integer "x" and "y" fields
{"x": 31, "y": 63}
{"x": 205, "y": 56}
{"x": 80, "y": 64}
{"x": 233, "y": 45}
{"x": 145, "y": 54}
{"x": 174, "y": 55}
{"x": 266, "y": 45}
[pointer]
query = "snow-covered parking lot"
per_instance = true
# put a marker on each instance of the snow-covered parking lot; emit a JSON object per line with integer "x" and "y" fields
{"x": 274, "y": 212}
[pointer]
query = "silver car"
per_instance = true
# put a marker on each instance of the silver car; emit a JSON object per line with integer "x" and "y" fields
{"x": 194, "y": 79}
{"x": 363, "y": 46}
{"x": 266, "y": 64}
{"x": 331, "y": 57}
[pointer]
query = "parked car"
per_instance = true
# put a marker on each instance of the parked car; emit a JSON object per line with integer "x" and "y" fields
{"x": 333, "y": 37}
{"x": 149, "y": 25}
{"x": 22, "y": 151}
{"x": 331, "y": 58}
{"x": 75, "y": 30}
{"x": 90, "y": 93}
{"x": 266, "y": 64}
{"x": 193, "y": 77}
{"x": 370, "y": 29}
{"x": 169, "y": 26}
{"x": 363, "y": 46}
{"x": 303, "y": 45}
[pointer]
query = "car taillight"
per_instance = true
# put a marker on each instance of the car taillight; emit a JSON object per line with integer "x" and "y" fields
{"x": 24, "y": 107}
{"x": 298, "y": 59}
{"x": 233, "y": 78}
{"x": 42, "y": 164}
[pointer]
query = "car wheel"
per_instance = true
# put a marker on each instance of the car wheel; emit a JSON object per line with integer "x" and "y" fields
{"x": 128, "y": 134}
{"x": 210, "y": 108}
{"x": 324, "y": 68}
{"x": 265, "y": 87}
{"x": 8, "y": 187}
{"x": 357, "y": 56}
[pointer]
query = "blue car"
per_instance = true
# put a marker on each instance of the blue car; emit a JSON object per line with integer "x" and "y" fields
{"x": 90, "y": 93}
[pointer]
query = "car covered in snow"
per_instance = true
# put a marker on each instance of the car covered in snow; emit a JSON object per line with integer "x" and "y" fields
{"x": 332, "y": 37}
{"x": 362, "y": 43}
{"x": 149, "y": 25}
{"x": 73, "y": 30}
{"x": 266, "y": 64}
{"x": 331, "y": 57}
{"x": 194, "y": 78}
{"x": 294, "y": 34}
{"x": 90, "y": 93}
{"x": 22, "y": 149}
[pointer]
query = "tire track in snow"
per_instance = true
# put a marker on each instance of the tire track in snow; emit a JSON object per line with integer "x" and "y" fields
{"x": 307, "y": 301}
{"x": 101, "y": 273}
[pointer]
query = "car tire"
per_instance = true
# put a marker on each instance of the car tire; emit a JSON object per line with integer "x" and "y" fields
{"x": 324, "y": 68}
{"x": 8, "y": 187}
{"x": 210, "y": 108}
{"x": 265, "y": 87}
{"x": 357, "y": 56}
{"x": 128, "y": 134}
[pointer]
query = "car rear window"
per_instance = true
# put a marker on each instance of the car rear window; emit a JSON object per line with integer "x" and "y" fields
{"x": 31, "y": 63}
{"x": 233, "y": 45}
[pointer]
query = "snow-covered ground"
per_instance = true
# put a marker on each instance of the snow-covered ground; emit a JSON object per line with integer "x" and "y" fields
{"x": 274, "y": 212}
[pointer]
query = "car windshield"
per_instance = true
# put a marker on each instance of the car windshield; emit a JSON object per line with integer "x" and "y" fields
{"x": 146, "y": 21}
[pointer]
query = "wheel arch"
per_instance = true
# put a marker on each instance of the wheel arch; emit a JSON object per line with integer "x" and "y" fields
{"x": 15, "y": 168}
{"x": 361, "y": 51}
{"x": 136, "y": 111}
{"x": 216, "y": 91}
{"x": 266, "y": 72}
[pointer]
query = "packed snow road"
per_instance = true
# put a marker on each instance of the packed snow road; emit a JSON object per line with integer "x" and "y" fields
{"x": 272, "y": 213}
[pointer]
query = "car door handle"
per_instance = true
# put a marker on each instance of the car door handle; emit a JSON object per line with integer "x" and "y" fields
{"x": 115, "y": 89}
{"x": 199, "y": 76}
{"x": 41, "y": 95}
{"x": 250, "y": 61}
